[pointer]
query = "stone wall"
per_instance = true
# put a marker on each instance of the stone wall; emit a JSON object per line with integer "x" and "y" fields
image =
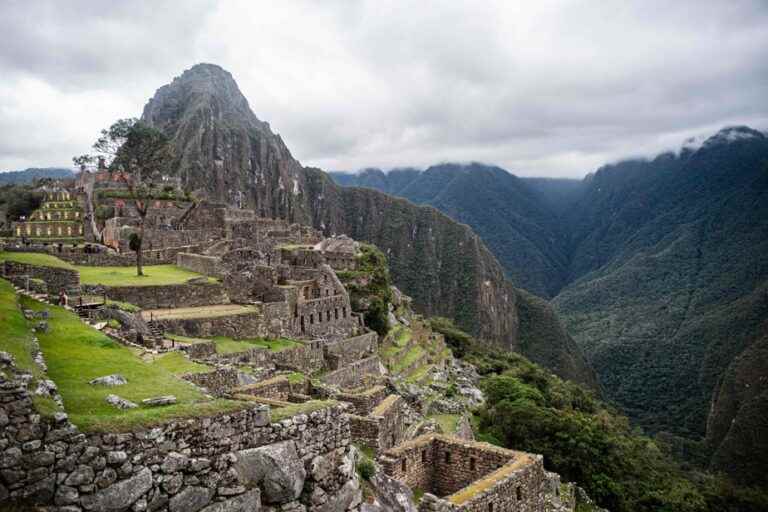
{"x": 356, "y": 374}
{"x": 344, "y": 352}
{"x": 208, "y": 464}
{"x": 189, "y": 294}
{"x": 200, "y": 350}
{"x": 364, "y": 402}
{"x": 306, "y": 358}
{"x": 217, "y": 382}
{"x": 276, "y": 388}
{"x": 206, "y": 265}
{"x": 265, "y": 321}
{"x": 54, "y": 277}
{"x": 449, "y": 470}
{"x": 384, "y": 428}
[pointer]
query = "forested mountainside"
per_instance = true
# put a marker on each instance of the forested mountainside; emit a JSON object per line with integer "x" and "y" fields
{"x": 510, "y": 216}
{"x": 226, "y": 153}
{"x": 34, "y": 173}
{"x": 665, "y": 280}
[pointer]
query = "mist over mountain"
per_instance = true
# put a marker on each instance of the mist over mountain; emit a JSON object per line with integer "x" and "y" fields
{"x": 226, "y": 153}
{"x": 659, "y": 268}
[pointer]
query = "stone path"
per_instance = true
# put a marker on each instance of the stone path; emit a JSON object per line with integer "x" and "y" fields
{"x": 196, "y": 312}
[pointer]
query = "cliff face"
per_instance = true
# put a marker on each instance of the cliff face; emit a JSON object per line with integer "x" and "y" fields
{"x": 224, "y": 150}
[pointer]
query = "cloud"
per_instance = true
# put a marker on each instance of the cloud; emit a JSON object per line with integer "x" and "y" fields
{"x": 553, "y": 88}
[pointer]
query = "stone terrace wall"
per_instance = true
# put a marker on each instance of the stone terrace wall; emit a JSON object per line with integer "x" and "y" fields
{"x": 355, "y": 374}
{"x": 344, "y": 352}
{"x": 363, "y": 403}
{"x": 306, "y": 358}
{"x": 276, "y": 388}
{"x": 191, "y": 465}
{"x": 168, "y": 296}
{"x": 55, "y": 278}
{"x": 218, "y": 381}
{"x": 261, "y": 323}
{"x": 384, "y": 428}
{"x": 206, "y": 265}
{"x": 457, "y": 464}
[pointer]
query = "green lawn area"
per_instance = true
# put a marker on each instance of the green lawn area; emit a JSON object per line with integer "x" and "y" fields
{"x": 448, "y": 422}
{"x": 157, "y": 275}
{"x": 412, "y": 355}
{"x": 178, "y": 364}
{"x": 76, "y": 353}
{"x": 226, "y": 345}
{"x": 16, "y": 337}
{"x": 35, "y": 258}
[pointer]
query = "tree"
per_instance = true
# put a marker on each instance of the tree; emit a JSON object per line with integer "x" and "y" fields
{"x": 140, "y": 153}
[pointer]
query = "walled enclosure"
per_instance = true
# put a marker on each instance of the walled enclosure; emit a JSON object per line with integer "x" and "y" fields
{"x": 208, "y": 464}
{"x": 191, "y": 294}
{"x": 468, "y": 476}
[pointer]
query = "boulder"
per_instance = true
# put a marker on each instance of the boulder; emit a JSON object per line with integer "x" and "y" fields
{"x": 159, "y": 400}
{"x": 109, "y": 380}
{"x": 275, "y": 468}
{"x": 248, "y": 502}
{"x": 390, "y": 495}
{"x": 191, "y": 499}
{"x": 120, "y": 403}
{"x": 123, "y": 494}
{"x": 348, "y": 497}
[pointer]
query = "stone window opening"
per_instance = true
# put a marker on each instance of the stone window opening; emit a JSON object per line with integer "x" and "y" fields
{"x": 423, "y": 456}
{"x": 403, "y": 465}
{"x": 328, "y": 315}
{"x": 472, "y": 464}
{"x": 447, "y": 457}
{"x": 295, "y": 311}
{"x": 490, "y": 507}
{"x": 344, "y": 312}
{"x": 311, "y": 319}
{"x": 336, "y": 313}
{"x": 519, "y": 493}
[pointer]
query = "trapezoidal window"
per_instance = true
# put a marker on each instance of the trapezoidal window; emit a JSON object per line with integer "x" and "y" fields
{"x": 447, "y": 457}
{"x": 519, "y": 492}
{"x": 403, "y": 465}
{"x": 423, "y": 456}
{"x": 472, "y": 464}
{"x": 328, "y": 316}
{"x": 490, "y": 507}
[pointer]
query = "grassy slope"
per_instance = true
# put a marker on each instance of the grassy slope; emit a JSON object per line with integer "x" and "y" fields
{"x": 33, "y": 258}
{"x": 76, "y": 353}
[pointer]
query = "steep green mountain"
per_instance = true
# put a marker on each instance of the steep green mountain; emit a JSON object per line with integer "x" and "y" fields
{"x": 510, "y": 216}
{"x": 34, "y": 173}
{"x": 663, "y": 282}
{"x": 224, "y": 151}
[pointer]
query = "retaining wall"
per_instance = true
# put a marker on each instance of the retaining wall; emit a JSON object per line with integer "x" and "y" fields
{"x": 189, "y": 294}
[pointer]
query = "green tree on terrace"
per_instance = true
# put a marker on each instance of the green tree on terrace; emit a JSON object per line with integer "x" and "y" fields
{"x": 140, "y": 152}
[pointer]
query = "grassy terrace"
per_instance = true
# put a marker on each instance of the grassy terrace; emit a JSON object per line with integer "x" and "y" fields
{"x": 76, "y": 353}
{"x": 158, "y": 275}
{"x": 155, "y": 275}
{"x": 225, "y": 345}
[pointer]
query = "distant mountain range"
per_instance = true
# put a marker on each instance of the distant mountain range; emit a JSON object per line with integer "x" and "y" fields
{"x": 659, "y": 269}
{"x": 33, "y": 173}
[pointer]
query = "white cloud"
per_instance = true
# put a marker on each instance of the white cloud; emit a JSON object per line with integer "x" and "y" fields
{"x": 540, "y": 88}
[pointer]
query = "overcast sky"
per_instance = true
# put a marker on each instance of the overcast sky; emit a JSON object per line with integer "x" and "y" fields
{"x": 545, "y": 88}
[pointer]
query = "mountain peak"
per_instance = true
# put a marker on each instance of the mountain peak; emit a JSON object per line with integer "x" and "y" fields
{"x": 732, "y": 134}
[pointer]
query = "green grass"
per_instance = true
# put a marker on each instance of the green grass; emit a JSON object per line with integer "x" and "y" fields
{"x": 124, "y": 306}
{"x": 178, "y": 364}
{"x": 35, "y": 258}
{"x": 448, "y": 422}
{"x": 310, "y": 406}
{"x": 295, "y": 377}
{"x": 155, "y": 275}
{"x": 226, "y": 345}
{"x": 412, "y": 355}
{"x": 76, "y": 353}
{"x": 16, "y": 338}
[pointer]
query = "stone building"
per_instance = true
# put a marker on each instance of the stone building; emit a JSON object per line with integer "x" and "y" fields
{"x": 60, "y": 217}
{"x": 459, "y": 475}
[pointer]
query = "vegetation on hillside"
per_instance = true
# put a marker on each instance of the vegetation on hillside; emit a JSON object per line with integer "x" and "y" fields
{"x": 586, "y": 441}
{"x": 370, "y": 287}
